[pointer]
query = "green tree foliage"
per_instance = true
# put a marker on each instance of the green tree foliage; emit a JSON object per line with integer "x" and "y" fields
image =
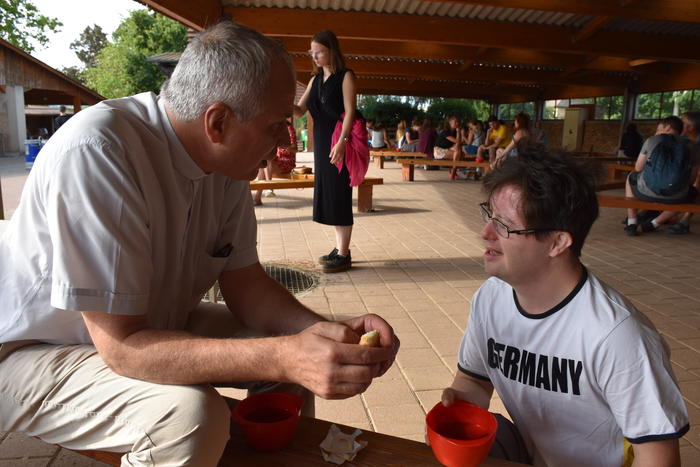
{"x": 92, "y": 40}
{"x": 73, "y": 72}
{"x": 440, "y": 108}
{"x": 391, "y": 109}
{"x": 122, "y": 69}
{"x": 388, "y": 110}
{"x": 21, "y": 22}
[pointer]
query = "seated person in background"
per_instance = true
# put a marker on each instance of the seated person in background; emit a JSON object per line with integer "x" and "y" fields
{"x": 283, "y": 163}
{"x": 585, "y": 377}
{"x": 631, "y": 142}
{"x": 412, "y": 136}
{"x": 400, "y": 134}
{"x": 427, "y": 137}
{"x": 497, "y": 137}
{"x": 691, "y": 131}
{"x": 449, "y": 142}
{"x": 378, "y": 137}
{"x": 449, "y": 136}
{"x": 664, "y": 173}
{"x": 521, "y": 136}
{"x": 140, "y": 206}
{"x": 474, "y": 137}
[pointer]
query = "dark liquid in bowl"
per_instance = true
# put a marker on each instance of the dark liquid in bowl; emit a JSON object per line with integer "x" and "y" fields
{"x": 461, "y": 431}
{"x": 268, "y": 415}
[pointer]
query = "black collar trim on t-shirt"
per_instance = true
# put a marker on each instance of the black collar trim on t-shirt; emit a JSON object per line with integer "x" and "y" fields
{"x": 560, "y": 305}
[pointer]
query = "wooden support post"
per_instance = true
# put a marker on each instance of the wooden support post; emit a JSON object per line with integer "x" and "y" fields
{"x": 379, "y": 162}
{"x": 76, "y": 104}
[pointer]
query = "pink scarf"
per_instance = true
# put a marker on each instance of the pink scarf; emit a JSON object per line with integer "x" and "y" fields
{"x": 356, "y": 150}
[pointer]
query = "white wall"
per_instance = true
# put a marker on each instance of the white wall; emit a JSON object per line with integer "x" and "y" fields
{"x": 12, "y": 105}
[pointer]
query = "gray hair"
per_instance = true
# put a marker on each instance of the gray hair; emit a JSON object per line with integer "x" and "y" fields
{"x": 227, "y": 63}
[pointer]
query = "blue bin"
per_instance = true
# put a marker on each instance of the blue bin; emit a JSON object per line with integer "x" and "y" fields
{"x": 33, "y": 146}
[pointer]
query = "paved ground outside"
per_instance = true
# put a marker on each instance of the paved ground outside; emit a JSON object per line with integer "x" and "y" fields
{"x": 417, "y": 262}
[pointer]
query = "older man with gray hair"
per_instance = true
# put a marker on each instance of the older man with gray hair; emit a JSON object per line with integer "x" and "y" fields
{"x": 142, "y": 205}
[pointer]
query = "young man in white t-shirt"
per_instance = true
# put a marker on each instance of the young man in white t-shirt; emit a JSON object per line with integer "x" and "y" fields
{"x": 585, "y": 377}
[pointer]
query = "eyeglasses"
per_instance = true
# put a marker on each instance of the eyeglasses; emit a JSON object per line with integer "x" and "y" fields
{"x": 502, "y": 229}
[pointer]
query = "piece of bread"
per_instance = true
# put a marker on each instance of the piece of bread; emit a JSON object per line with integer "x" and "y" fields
{"x": 370, "y": 339}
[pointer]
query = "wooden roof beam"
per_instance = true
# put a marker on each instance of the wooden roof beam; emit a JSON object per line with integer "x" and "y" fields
{"x": 429, "y": 50}
{"x": 467, "y": 64}
{"x": 590, "y": 28}
{"x": 444, "y": 71}
{"x": 196, "y": 15}
{"x": 659, "y": 10}
{"x": 461, "y": 32}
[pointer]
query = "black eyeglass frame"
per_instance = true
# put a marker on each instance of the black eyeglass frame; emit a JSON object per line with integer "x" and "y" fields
{"x": 487, "y": 216}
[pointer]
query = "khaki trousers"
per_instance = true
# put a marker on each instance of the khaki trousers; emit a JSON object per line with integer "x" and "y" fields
{"x": 66, "y": 395}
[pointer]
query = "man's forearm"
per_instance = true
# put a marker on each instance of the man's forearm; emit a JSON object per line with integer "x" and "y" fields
{"x": 263, "y": 304}
{"x": 176, "y": 357}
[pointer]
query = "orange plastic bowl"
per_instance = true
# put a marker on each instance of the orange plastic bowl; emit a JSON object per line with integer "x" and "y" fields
{"x": 460, "y": 435}
{"x": 268, "y": 420}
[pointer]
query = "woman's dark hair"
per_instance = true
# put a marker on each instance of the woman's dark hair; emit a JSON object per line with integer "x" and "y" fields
{"x": 558, "y": 192}
{"x": 631, "y": 128}
{"x": 327, "y": 39}
{"x": 523, "y": 120}
{"x": 427, "y": 124}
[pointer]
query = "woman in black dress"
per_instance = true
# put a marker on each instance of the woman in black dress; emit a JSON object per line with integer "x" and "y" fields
{"x": 331, "y": 92}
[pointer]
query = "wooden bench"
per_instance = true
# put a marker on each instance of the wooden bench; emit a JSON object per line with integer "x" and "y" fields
{"x": 379, "y": 156}
{"x": 609, "y": 201}
{"x": 364, "y": 191}
{"x": 408, "y": 165}
{"x": 618, "y": 171}
{"x": 617, "y": 176}
{"x": 381, "y": 451}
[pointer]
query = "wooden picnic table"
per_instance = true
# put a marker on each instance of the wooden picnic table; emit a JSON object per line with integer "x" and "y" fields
{"x": 408, "y": 165}
{"x": 298, "y": 181}
{"x": 380, "y": 155}
{"x": 381, "y": 451}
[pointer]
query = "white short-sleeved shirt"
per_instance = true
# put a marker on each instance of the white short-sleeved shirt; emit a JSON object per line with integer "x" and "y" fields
{"x": 577, "y": 380}
{"x": 116, "y": 217}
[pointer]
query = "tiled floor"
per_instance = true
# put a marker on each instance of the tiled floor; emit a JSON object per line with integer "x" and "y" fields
{"x": 417, "y": 263}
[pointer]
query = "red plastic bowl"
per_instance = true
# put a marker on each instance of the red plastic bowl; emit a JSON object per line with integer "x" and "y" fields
{"x": 460, "y": 435}
{"x": 268, "y": 420}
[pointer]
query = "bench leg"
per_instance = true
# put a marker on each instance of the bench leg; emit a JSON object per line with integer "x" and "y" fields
{"x": 364, "y": 198}
{"x": 379, "y": 162}
{"x": 407, "y": 171}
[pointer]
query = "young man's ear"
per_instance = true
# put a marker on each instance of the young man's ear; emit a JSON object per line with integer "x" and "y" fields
{"x": 559, "y": 242}
{"x": 216, "y": 117}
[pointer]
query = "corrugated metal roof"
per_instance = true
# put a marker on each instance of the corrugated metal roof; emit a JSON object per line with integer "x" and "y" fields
{"x": 417, "y": 7}
{"x": 653, "y": 27}
{"x": 479, "y": 12}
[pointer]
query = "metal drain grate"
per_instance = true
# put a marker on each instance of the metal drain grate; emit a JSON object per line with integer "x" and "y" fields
{"x": 295, "y": 280}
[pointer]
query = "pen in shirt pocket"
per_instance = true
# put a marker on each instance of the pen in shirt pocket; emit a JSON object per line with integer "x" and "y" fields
{"x": 224, "y": 251}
